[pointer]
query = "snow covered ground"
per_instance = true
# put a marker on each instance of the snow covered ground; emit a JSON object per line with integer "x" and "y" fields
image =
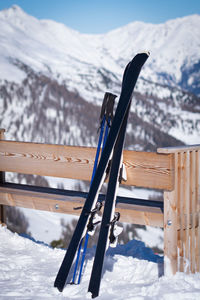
{"x": 28, "y": 270}
{"x": 45, "y": 226}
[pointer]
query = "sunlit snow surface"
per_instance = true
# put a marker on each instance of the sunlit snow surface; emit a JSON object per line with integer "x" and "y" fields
{"x": 28, "y": 270}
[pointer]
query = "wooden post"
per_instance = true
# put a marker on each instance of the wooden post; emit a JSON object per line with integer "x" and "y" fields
{"x": 187, "y": 207}
{"x": 2, "y": 179}
{"x": 197, "y": 228}
{"x": 170, "y": 225}
{"x": 182, "y": 212}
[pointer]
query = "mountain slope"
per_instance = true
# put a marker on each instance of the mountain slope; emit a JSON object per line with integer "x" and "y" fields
{"x": 42, "y": 110}
{"x": 53, "y": 80}
{"x": 174, "y": 48}
{"x": 61, "y": 52}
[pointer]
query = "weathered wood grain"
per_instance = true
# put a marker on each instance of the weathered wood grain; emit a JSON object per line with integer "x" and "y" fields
{"x": 144, "y": 169}
{"x": 149, "y": 169}
{"x": 197, "y": 196}
{"x": 182, "y": 212}
{"x": 2, "y": 179}
{"x": 170, "y": 225}
{"x": 66, "y": 204}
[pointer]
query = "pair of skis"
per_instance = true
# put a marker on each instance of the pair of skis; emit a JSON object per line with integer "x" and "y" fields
{"x": 106, "y": 117}
{"x": 113, "y": 149}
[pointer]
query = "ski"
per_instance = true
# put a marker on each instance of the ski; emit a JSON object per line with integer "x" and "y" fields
{"x": 129, "y": 80}
{"x": 106, "y": 235}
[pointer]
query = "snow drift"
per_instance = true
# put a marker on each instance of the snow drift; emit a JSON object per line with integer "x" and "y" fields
{"x": 132, "y": 271}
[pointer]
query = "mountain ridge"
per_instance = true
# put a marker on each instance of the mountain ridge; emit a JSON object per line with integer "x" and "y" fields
{"x": 174, "y": 47}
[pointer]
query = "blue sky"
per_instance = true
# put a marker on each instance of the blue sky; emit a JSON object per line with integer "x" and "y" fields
{"x": 100, "y": 16}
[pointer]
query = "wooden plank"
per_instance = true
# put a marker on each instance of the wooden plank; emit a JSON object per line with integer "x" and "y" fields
{"x": 179, "y": 149}
{"x": 47, "y": 160}
{"x": 2, "y": 133}
{"x": 180, "y": 209}
{"x": 144, "y": 169}
{"x": 170, "y": 226}
{"x": 187, "y": 183}
{"x": 66, "y": 204}
{"x": 149, "y": 169}
{"x": 178, "y": 206}
{"x": 2, "y": 179}
{"x": 140, "y": 215}
{"x": 197, "y": 231}
{"x": 40, "y": 201}
{"x": 193, "y": 210}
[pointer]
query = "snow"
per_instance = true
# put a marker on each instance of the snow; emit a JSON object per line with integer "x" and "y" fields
{"x": 45, "y": 226}
{"x": 28, "y": 270}
{"x": 152, "y": 237}
{"x": 12, "y": 73}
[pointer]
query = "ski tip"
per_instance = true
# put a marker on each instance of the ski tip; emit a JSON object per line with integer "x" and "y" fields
{"x": 145, "y": 52}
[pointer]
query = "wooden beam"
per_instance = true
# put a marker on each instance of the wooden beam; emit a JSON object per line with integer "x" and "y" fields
{"x": 141, "y": 215}
{"x": 144, "y": 169}
{"x": 197, "y": 196}
{"x": 149, "y": 169}
{"x": 179, "y": 149}
{"x": 170, "y": 226}
{"x": 2, "y": 179}
{"x": 47, "y": 159}
{"x": 130, "y": 213}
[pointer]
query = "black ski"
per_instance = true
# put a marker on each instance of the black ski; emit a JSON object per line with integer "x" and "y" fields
{"x": 107, "y": 223}
{"x": 130, "y": 77}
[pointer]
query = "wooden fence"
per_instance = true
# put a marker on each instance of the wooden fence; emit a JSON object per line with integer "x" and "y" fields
{"x": 175, "y": 171}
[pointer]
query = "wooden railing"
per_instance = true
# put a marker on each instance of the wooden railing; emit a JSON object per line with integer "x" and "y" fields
{"x": 182, "y": 210}
{"x": 173, "y": 170}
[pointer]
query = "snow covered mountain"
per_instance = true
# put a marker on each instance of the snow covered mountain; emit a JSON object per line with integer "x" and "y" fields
{"x": 52, "y": 47}
{"x": 47, "y": 69}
